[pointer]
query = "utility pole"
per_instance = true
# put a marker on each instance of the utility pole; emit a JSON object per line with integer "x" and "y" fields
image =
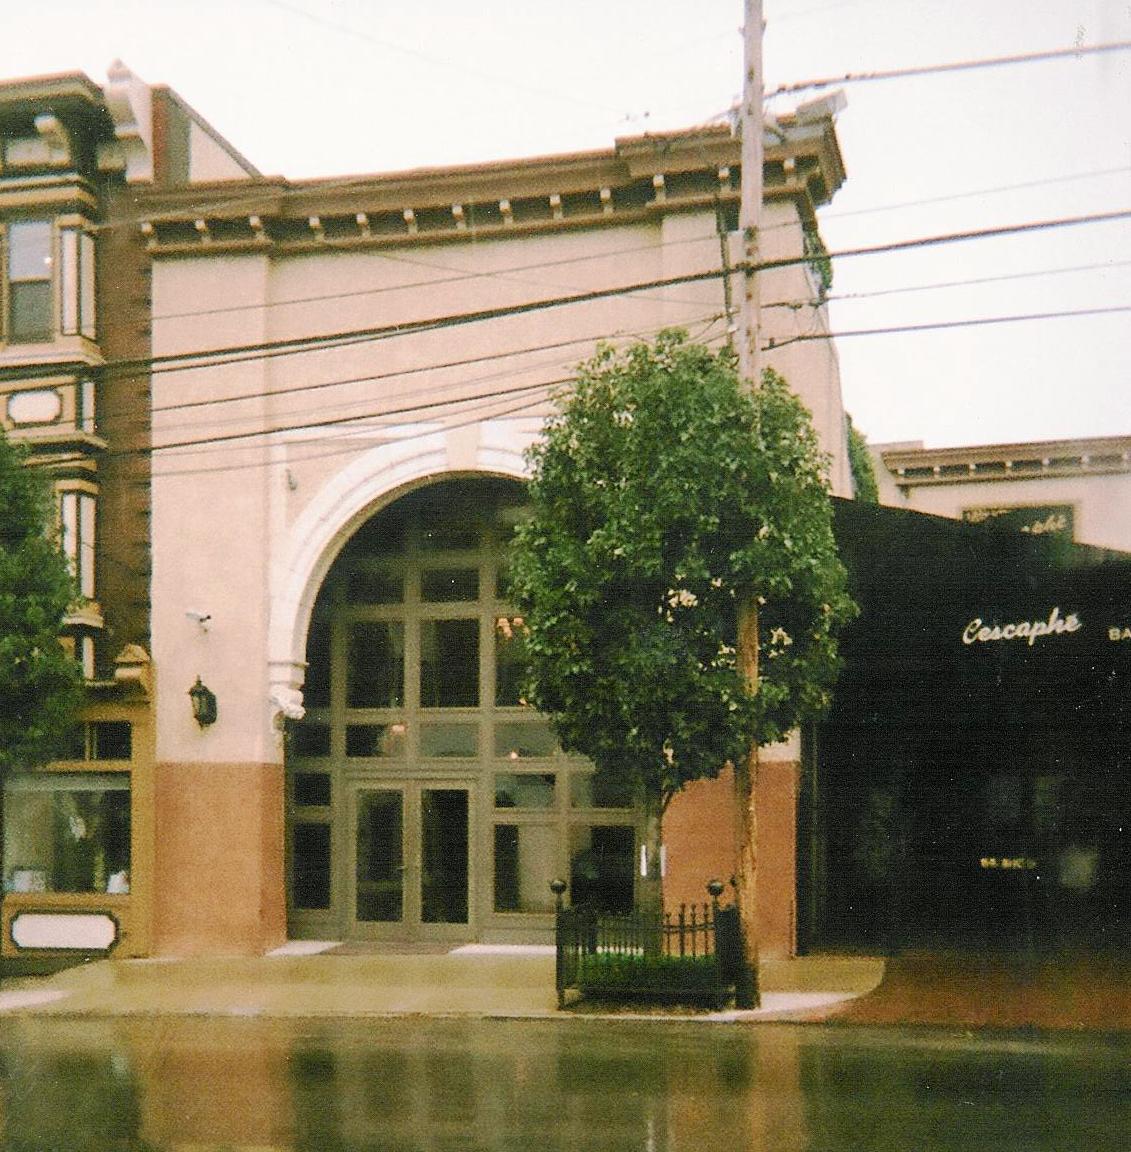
{"x": 746, "y": 771}
{"x": 750, "y": 205}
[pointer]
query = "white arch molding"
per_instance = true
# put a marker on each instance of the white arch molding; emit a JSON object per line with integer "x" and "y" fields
{"x": 372, "y": 481}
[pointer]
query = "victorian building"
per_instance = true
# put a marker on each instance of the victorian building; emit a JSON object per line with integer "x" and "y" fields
{"x": 78, "y": 856}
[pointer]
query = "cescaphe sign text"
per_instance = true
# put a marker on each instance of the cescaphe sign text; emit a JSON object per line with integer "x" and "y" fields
{"x": 978, "y": 632}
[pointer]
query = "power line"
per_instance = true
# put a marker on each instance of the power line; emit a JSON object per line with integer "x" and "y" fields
{"x": 336, "y": 421}
{"x": 203, "y": 470}
{"x": 942, "y": 284}
{"x": 942, "y": 325}
{"x": 447, "y": 365}
{"x": 957, "y": 237}
{"x": 1123, "y": 170}
{"x": 555, "y": 365}
{"x": 234, "y": 354}
{"x": 241, "y": 353}
{"x": 958, "y": 66}
{"x": 462, "y": 275}
{"x": 450, "y": 402}
{"x": 378, "y": 376}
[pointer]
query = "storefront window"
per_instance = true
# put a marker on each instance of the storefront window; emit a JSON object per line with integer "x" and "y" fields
{"x": 601, "y": 866}
{"x": 525, "y": 863}
{"x": 67, "y": 833}
{"x": 449, "y": 663}
{"x": 375, "y": 673}
{"x": 599, "y": 790}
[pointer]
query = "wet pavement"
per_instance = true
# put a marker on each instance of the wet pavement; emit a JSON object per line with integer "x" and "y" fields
{"x": 473, "y": 980}
{"x": 191, "y": 1084}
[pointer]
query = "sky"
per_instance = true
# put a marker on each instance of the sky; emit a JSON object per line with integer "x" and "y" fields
{"x": 308, "y": 88}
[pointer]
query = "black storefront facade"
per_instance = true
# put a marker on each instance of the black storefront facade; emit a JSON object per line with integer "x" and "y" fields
{"x": 971, "y": 785}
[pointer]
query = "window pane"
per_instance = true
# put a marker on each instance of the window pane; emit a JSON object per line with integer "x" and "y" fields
{"x": 525, "y": 859}
{"x": 377, "y": 740}
{"x": 310, "y": 866}
{"x": 601, "y": 867}
{"x": 444, "y": 855}
{"x": 67, "y": 833}
{"x": 509, "y": 665}
{"x": 86, "y": 546}
{"x": 449, "y": 663}
{"x": 449, "y": 740}
{"x": 375, "y": 675}
{"x": 310, "y": 739}
{"x": 30, "y": 311}
{"x": 597, "y": 790}
{"x": 380, "y": 857}
{"x": 86, "y": 285}
{"x": 316, "y": 690}
{"x": 312, "y": 789}
{"x": 69, "y": 281}
{"x": 29, "y": 250}
{"x": 111, "y": 740}
{"x": 517, "y": 741}
{"x": 449, "y": 585}
{"x": 449, "y": 533}
{"x": 524, "y": 790}
{"x": 365, "y": 585}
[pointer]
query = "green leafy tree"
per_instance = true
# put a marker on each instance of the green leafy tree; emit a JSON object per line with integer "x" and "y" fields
{"x": 860, "y": 462}
{"x": 671, "y": 510}
{"x": 39, "y": 682}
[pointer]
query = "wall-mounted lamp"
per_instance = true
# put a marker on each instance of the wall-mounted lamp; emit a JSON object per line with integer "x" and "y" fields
{"x": 203, "y": 703}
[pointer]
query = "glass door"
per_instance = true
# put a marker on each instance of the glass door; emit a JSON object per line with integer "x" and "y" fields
{"x": 411, "y": 874}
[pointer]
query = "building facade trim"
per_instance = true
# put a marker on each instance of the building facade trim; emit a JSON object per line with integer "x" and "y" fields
{"x": 374, "y": 479}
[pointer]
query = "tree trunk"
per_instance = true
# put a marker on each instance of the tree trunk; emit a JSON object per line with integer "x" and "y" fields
{"x": 745, "y": 787}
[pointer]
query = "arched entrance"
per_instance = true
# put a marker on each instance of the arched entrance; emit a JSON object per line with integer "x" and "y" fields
{"x": 424, "y": 801}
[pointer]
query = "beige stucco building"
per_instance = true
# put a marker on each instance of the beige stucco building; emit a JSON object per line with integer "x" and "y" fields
{"x": 331, "y": 385}
{"x": 331, "y": 507}
{"x": 79, "y": 846}
{"x": 1080, "y": 489}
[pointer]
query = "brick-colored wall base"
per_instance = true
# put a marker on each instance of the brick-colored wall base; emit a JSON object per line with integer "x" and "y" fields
{"x": 219, "y": 887}
{"x": 700, "y": 837}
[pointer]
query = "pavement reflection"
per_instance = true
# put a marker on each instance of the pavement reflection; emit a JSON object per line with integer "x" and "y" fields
{"x": 181, "y": 1084}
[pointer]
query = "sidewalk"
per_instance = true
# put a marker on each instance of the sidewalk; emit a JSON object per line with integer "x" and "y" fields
{"x": 968, "y": 989}
{"x": 1081, "y": 990}
{"x": 474, "y": 980}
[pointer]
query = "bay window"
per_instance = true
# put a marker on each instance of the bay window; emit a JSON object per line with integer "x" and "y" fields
{"x": 29, "y": 268}
{"x": 77, "y": 519}
{"x": 45, "y": 260}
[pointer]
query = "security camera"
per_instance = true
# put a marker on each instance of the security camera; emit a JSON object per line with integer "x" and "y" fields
{"x": 201, "y": 618}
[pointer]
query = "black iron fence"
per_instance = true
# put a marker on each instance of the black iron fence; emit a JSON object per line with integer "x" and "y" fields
{"x": 689, "y": 955}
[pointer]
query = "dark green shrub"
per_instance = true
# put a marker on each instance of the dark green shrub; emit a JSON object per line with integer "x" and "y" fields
{"x": 619, "y": 976}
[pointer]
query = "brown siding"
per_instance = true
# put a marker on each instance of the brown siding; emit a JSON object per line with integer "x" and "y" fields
{"x": 123, "y": 403}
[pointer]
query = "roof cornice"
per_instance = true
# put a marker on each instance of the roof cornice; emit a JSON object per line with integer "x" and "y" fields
{"x": 915, "y": 467}
{"x": 638, "y": 178}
